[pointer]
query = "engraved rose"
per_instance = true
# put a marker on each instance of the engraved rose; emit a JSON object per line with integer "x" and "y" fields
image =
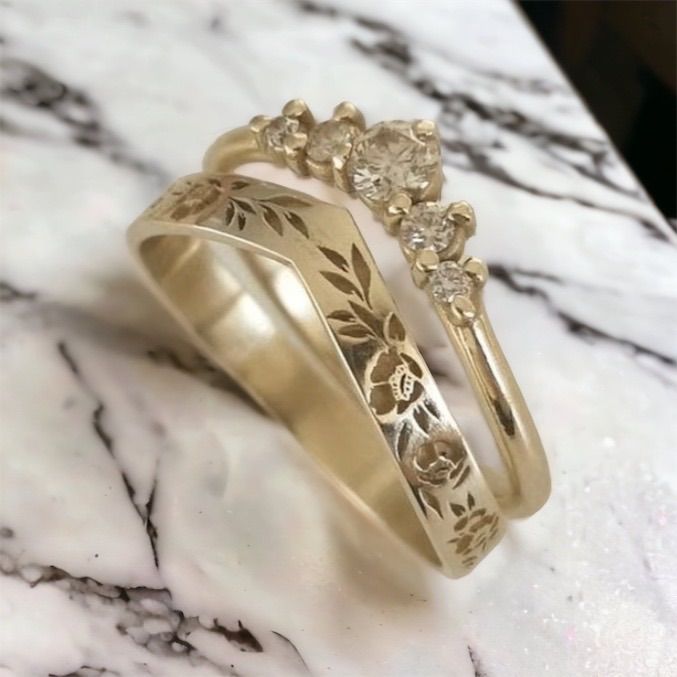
{"x": 436, "y": 462}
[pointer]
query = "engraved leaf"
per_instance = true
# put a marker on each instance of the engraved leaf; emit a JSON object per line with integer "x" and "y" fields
{"x": 295, "y": 221}
{"x": 457, "y": 509}
{"x": 368, "y": 318}
{"x": 290, "y": 201}
{"x": 430, "y": 501}
{"x": 403, "y": 439}
{"x": 335, "y": 258}
{"x": 471, "y": 501}
{"x": 462, "y": 478}
{"x": 432, "y": 408}
{"x": 361, "y": 271}
{"x": 354, "y": 331}
{"x": 341, "y": 283}
{"x": 230, "y": 212}
{"x": 244, "y": 205}
{"x": 341, "y": 315}
{"x": 272, "y": 219}
{"x": 421, "y": 417}
{"x": 241, "y": 220}
{"x": 239, "y": 184}
{"x": 395, "y": 328}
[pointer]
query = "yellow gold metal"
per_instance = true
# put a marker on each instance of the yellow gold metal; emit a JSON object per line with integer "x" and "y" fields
{"x": 398, "y": 205}
{"x": 338, "y": 171}
{"x": 298, "y": 108}
{"x": 463, "y": 216}
{"x": 281, "y": 291}
{"x": 425, "y": 129}
{"x": 477, "y": 269}
{"x": 293, "y": 146}
{"x": 258, "y": 123}
{"x": 349, "y": 112}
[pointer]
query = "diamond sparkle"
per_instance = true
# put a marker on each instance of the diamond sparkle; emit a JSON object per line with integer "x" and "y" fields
{"x": 329, "y": 139}
{"x": 448, "y": 281}
{"x": 426, "y": 227}
{"x": 277, "y": 129}
{"x": 388, "y": 158}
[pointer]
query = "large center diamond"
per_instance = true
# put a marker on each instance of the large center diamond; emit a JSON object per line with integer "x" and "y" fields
{"x": 388, "y": 158}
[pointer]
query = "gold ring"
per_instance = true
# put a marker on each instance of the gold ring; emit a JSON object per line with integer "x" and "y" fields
{"x": 280, "y": 290}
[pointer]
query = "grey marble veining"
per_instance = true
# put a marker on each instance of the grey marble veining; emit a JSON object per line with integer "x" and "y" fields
{"x": 152, "y": 522}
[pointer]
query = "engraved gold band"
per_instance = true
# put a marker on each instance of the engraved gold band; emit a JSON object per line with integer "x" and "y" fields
{"x": 281, "y": 291}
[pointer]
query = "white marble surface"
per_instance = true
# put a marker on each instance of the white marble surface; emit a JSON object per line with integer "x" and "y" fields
{"x": 152, "y": 523}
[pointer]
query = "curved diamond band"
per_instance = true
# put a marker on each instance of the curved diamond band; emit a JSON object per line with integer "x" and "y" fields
{"x": 280, "y": 290}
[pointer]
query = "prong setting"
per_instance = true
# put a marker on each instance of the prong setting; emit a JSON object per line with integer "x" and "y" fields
{"x": 294, "y": 145}
{"x": 462, "y": 311}
{"x": 398, "y": 206}
{"x": 349, "y": 112}
{"x": 425, "y": 130}
{"x": 402, "y": 193}
{"x": 338, "y": 169}
{"x": 258, "y": 123}
{"x": 298, "y": 110}
{"x": 477, "y": 269}
{"x": 463, "y": 216}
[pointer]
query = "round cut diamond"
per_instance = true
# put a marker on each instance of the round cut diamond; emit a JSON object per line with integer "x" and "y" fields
{"x": 277, "y": 129}
{"x": 426, "y": 227}
{"x": 449, "y": 281}
{"x": 389, "y": 158}
{"x": 329, "y": 139}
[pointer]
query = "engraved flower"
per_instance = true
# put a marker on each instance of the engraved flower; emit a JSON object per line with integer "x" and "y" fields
{"x": 475, "y": 529}
{"x": 395, "y": 376}
{"x": 436, "y": 462}
{"x": 196, "y": 198}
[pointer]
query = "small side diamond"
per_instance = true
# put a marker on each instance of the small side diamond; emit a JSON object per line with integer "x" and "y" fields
{"x": 426, "y": 227}
{"x": 277, "y": 129}
{"x": 329, "y": 139}
{"x": 449, "y": 281}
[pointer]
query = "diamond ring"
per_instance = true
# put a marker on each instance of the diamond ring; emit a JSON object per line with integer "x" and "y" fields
{"x": 281, "y": 291}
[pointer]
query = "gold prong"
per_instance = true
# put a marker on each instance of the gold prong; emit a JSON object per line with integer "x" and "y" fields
{"x": 477, "y": 269}
{"x": 320, "y": 170}
{"x": 296, "y": 140}
{"x": 298, "y": 109}
{"x": 258, "y": 123}
{"x": 462, "y": 310}
{"x": 398, "y": 205}
{"x": 338, "y": 169}
{"x": 424, "y": 129}
{"x": 294, "y": 156}
{"x": 463, "y": 217}
{"x": 424, "y": 262}
{"x": 350, "y": 113}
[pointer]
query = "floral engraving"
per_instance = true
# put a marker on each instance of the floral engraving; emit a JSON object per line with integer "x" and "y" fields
{"x": 393, "y": 378}
{"x": 276, "y": 211}
{"x": 436, "y": 462}
{"x": 355, "y": 276}
{"x": 395, "y": 382}
{"x": 196, "y": 197}
{"x": 475, "y": 530}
